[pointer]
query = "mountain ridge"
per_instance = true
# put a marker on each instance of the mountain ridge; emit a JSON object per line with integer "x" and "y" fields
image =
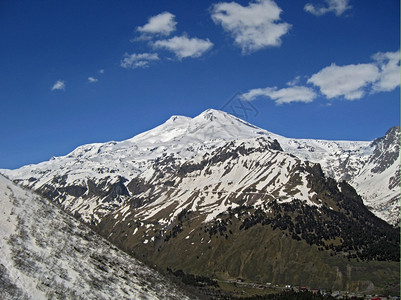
{"x": 184, "y": 138}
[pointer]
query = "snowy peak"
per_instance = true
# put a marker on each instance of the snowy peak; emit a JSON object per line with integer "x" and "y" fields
{"x": 214, "y": 115}
{"x": 218, "y": 125}
{"x": 386, "y": 151}
{"x": 211, "y": 125}
{"x": 390, "y": 141}
{"x": 176, "y": 119}
{"x": 221, "y": 118}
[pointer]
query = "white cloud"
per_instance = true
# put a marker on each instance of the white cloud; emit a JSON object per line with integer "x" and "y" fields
{"x": 389, "y": 65}
{"x": 253, "y": 27}
{"x": 350, "y": 81}
{"x": 354, "y": 81}
{"x": 101, "y": 71}
{"x": 59, "y": 85}
{"x": 182, "y": 46}
{"x": 162, "y": 24}
{"x": 92, "y": 79}
{"x": 338, "y": 7}
{"x": 138, "y": 60}
{"x": 281, "y": 96}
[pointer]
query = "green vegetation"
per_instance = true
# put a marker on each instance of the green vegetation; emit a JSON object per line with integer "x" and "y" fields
{"x": 193, "y": 280}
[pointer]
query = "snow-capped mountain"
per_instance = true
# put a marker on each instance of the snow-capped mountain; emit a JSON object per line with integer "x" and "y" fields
{"x": 47, "y": 254}
{"x": 218, "y": 197}
{"x": 94, "y": 179}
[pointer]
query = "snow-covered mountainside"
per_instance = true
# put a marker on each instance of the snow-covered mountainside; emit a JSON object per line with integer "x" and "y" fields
{"x": 378, "y": 181}
{"x": 372, "y": 168}
{"x": 95, "y": 180}
{"x": 47, "y": 254}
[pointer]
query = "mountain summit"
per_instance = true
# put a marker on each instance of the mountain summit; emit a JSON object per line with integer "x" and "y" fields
{"x": 211, "y": 125}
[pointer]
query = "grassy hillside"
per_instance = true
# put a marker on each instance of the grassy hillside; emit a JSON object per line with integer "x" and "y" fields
{"x": 257, "y": 254}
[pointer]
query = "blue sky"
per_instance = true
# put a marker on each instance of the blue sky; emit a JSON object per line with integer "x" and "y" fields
{"x": 77, "y": 72}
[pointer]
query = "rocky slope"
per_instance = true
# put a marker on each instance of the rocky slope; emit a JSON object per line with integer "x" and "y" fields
{"x": 299, "y": 228}
{"x": 47, "y": 254}
{"x": 378, "y": 181}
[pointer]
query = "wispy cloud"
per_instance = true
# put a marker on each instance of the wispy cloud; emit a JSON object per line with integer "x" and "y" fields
{"x": 59, "y": 85}
{"x": 295, "y": 81}
{"x": 92, "y": 79}
{"x": 253, "y": 27}
{"x": 338, "y": 7}
{"x": 138, "y": 60}
{"x": 101, "y": 71}
{"x": 162, "y": 24}
{"x": 284, "y": 95}
{"x": 183, "y": 47}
